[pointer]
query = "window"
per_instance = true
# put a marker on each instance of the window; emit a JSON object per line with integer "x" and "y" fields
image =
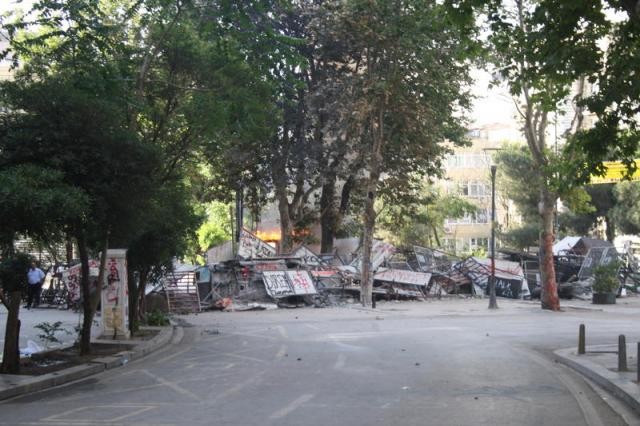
{"x": 480, "y": 216}
{"x": 466, "y": 161}
{"x": 479, "y": 242}
{"x": 472, "y": 189}
{"x": 449, "y": 244}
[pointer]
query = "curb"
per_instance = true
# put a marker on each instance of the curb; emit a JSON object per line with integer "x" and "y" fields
{"x": 98, "y": 365}
{"x": 614, "y": 383}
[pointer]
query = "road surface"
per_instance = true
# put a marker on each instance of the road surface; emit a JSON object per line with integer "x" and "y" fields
{"x": 434, "y": 363}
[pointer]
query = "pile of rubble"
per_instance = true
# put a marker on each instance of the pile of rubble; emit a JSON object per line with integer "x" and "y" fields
{"x": 257, "y": 278}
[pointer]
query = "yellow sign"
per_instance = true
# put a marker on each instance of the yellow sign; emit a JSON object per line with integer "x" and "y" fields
{"x": 615, "y": 172}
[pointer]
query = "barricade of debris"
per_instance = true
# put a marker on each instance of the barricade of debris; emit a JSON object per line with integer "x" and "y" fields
{"x": 258, "y": 279}
{"x": 575, "y": 261}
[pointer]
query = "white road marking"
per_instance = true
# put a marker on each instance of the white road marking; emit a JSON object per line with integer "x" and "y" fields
{"x": 237, "y": 388}
{"x": 172, "y": 385}
{"x": 173, "y": 355}
{"x": 368, "y": 334}
{"x": 73, "y": 417}
{"x": 293, "y": 405}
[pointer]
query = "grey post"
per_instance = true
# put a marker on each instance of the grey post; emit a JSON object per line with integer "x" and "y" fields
{"x": 493, "y": 304}
{"x": 581, "y": 340}
{"x": 622, "y": 353}
{"x": 638, "y": 366}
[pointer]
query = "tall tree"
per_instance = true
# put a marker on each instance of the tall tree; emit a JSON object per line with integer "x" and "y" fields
{"x": 405, "y": 87}
{"x": 540, "y": 69}
{"x": 69, "y": 103}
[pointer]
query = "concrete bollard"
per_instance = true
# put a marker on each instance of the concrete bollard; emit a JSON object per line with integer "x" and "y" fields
{"x": 622, "y": 353}
{"x": 581, "y": 340}
{"x": 638, "y": 365}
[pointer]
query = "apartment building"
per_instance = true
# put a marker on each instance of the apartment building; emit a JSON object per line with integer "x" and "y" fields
{"x": 468, "y": 175}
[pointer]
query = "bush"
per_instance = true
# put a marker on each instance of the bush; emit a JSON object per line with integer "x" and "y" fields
{"x": 606, "y": 278}
{"x": 157, "y": 318}
{"x": 49, "y": 332}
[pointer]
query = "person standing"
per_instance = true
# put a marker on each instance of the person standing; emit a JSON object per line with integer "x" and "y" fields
{"x": 35, "y": 277}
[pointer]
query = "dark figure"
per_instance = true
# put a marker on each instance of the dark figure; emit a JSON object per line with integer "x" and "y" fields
{"x": 35, "y": 278}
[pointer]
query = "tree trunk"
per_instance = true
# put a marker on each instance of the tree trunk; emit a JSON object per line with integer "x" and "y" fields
{"x": 611, "y": 229}
{"x": 549, "y": 295}
{"x": 69, "y": 249}
{"x": 328, "y": 215}
{"x": 96, "y": 295}
{"x": 286, "y": 224}
{"x": 136, "y": 299}
{"x": 133, "y": 300}
{"x": 369, "y": 218}
{"x": 142, "y": 285}
{"x": 11, "y": 354}
{"x": 85, "y": 286}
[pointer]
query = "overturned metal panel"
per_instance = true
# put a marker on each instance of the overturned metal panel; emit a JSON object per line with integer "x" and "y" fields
{"x": 301, "y": 282}
{"x": 281, "y": 284}
{"x": 595, "y": 257}
{"x": 402, "y": 276}
{"x": 380, "y": 252}
{"x": 276, "y": 284}
{"x": 510, "y": 281}
{"x": 253, "y": 247}
{"x": 431, "y": 260}
{"x": 307, "y": 256}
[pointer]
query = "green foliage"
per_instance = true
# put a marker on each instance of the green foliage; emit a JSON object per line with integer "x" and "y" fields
{"x": 479, "y": 252}
{"x": 49, "y": 331}
{"x": 521, "y": 238}
{"x": 169, "y": 226}
{"x": 615, "y": 134}
{"x": 157, "y": 319}
{"x": 35, "y": 200}
{"x": 412, "y": 74}
{"x": 422, "y": 222}
{"x": 217, "y": 227}
{"x": 13, "y": 272}
{"x": 518, "y": 179}
{"x": 626, "y": 212}
{"x": 606, "y": 277}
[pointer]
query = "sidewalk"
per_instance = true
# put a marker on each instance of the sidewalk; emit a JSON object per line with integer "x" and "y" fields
{"x": 600, "y": 364}
{"x": 15, "y": 385}
{"x": 29, "y": 318}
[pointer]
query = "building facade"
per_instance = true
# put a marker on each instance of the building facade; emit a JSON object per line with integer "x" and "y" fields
{"x": 468, "y": 175}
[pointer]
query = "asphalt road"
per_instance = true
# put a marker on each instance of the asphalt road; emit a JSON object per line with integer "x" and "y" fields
{"x": 439, "y": 363}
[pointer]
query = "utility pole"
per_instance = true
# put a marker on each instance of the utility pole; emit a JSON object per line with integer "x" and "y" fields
{"x": 493, "y": 304}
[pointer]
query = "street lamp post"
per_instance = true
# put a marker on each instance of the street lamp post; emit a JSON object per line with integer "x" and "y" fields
{"x": 493, "y": 304}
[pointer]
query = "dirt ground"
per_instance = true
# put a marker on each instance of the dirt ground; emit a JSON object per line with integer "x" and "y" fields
{"x": 59, "y": 359}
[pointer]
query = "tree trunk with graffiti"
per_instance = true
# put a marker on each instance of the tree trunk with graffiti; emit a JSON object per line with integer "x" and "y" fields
{"x": 549, "y": 294}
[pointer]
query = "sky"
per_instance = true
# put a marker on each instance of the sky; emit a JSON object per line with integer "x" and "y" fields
{"x": 491, "y": 105}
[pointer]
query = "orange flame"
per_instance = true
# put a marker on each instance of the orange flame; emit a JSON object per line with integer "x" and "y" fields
{"x": 273, "y": 235}
{"x": 268, "y": 235}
